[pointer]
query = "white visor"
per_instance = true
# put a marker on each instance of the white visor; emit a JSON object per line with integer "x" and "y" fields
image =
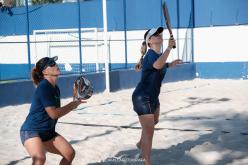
{"x": 152, "y": 32}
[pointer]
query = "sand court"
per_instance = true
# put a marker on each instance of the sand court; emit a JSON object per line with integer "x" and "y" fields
{"x": 201, "y": 122}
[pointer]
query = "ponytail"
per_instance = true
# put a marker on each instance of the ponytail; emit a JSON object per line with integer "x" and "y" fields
{"x": 143, "y": 50}
{"x": 37, "y": 76}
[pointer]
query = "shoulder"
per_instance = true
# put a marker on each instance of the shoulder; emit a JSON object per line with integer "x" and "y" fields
{"x": 152, "y": 54}
{"x": 44, "y": 85}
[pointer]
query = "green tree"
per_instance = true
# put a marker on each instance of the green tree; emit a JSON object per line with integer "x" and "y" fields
{"x": 35, "y": 2}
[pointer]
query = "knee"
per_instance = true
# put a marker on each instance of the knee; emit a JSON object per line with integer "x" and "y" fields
{"x": 70, "y": 155}
{"x": 148, "y": 133}
{"x": 39, "y": 159}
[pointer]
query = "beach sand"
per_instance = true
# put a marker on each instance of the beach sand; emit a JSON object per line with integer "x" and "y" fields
{"x": 202, "y": 122}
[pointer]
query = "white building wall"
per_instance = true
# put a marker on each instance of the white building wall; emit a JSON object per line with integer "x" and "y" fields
{"x": 211, "y": 44}
{"x": 221, "y": 44}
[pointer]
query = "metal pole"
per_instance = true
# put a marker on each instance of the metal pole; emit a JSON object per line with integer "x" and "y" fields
{"x": 79, "y": 37}
{"x": 96, "y": 44}
{"x": 105, "y": 30}
{"x": 178, "y": 26}
{"x": 125, "y": 31}
{"x": 161, "y": 20}
{"x": 193, "y": 26}
{"x": 28, "y": 38}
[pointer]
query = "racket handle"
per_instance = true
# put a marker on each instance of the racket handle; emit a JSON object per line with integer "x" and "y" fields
{"x": 74, "y": 92}
{"x": 172, "y": 38}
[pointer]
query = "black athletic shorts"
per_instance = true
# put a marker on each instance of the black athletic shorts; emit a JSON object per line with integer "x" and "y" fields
{"x": 143, "y": 105}
{"x": 45, "y": 136}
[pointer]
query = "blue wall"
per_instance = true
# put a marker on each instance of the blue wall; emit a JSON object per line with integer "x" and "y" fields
{"x": 14, "y": 71}
{"x": 141, "y": 14}
{"x": 180, "y": 72}
{"x": 123, "y": 79}
{"x": 222, "y": 70}
{"x": 20, "y": 92}
{"x": 220, "y": 12}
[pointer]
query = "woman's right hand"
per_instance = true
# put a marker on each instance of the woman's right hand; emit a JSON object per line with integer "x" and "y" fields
{"x": 172, "y": 42}
{"x": 76, "y": 103}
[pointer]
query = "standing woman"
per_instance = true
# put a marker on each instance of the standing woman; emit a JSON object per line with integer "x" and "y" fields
{"x": 145, "y": 96}
{"x": 38, "y": 133}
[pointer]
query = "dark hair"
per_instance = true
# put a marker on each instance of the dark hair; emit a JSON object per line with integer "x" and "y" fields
{"x": 143, "y": 50}
{"x": 37, "y": 76}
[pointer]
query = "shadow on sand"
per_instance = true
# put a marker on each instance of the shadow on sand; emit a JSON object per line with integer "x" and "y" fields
{"x": 220, "y": 139}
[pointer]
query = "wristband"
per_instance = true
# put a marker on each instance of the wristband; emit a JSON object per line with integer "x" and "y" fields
{"x": 167, "y": 65}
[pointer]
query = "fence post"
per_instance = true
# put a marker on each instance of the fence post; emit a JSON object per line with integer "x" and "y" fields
{"x": 79, "y": 37}
{"x": 105, "y": 31}
{"x": 193, "y": 26}
{"x": 178, "y": 27}
{"x": 125, "y": 30}
{"x": 28, "y": 39}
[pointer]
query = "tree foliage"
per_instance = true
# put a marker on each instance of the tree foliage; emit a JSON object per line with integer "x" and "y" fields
{"x": 35, "y": 2}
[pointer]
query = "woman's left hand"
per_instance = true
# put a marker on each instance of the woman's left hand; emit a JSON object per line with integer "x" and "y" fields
{"x": 175, "y": 62}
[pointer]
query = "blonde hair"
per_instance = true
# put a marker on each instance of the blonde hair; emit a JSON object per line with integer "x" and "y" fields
{"x": 143, "y": 50}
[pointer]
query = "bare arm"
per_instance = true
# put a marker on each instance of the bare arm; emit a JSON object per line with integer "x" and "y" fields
{"x": 160, "y": 62}
{"x": 56, "y": 113}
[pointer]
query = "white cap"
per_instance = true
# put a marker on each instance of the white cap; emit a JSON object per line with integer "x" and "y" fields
{"x": 152, "y": 32}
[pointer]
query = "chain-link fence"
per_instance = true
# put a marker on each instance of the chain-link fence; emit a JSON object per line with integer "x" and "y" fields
{"x": 72, "y": 30}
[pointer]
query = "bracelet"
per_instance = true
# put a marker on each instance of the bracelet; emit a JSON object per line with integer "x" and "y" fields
{"x": 167, "y": 65}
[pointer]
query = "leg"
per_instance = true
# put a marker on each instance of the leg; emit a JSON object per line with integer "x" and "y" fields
{"x": 36, "y": 150}
{"x": 60, "y": 146}
{"x": 156, "y": 115}
{"x": 147, "y": 123}
{"x": 156, "y": 120}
